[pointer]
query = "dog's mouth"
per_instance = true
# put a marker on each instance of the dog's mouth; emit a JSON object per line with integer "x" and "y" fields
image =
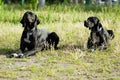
{"x": 30, "y": 27}
{"x": 85, "y": 24}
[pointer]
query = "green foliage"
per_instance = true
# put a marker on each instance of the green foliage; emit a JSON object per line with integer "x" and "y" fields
{"x": 32, "y": 3}
{"x": 56, "y": 1}
{"x": 0, "y": 3}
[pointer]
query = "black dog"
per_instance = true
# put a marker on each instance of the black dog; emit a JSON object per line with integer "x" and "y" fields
{"x": 34, "y": 39}
{"x": 99, "y": 37}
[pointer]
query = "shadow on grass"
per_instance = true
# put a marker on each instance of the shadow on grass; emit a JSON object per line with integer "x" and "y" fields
{"x": 72, "y": 47}
{"x": 6, "y": 51}
{"x": 68, "y": 47}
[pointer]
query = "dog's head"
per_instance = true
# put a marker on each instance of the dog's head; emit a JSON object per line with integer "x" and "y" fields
{"x": 93, "y": 23}
{"x": 29, "y": 20}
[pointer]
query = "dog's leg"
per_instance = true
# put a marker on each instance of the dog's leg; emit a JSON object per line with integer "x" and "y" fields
{"x": 89, "y": 43}
{"x": 105, "y": 42}
{"x": 31, "y": 52}
{"x": 55, "y": 46}
{"x": 22, "y": 46}
{"x": 25, "y": 54}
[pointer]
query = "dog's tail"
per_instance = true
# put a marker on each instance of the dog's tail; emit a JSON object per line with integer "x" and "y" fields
{"x": 53, "y": 36}
{"x": 111, "y": 34}
{"x": 53, "y": 39}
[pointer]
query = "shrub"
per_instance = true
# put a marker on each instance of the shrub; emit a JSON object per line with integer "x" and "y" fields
{"x": 56, "y": 1}
{"x": 0, "y": 2}
{"x": 32, "y": 3}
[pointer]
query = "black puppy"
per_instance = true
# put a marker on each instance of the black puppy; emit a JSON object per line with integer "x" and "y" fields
{"x": 34, "y": 39}
{"x": 99, "y": 37}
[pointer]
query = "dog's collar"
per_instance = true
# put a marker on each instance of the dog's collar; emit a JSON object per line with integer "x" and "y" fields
{"x": 98, "y": 30}
{"x": 29, "y": 33}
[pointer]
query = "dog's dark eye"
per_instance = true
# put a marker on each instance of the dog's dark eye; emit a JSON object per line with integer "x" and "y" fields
{"x": 31, "y": 25}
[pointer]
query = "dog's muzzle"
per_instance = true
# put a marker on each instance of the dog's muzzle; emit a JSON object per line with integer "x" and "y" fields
{"x": 85, "y": 24}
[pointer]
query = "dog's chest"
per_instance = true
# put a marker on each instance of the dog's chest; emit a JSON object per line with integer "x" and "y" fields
{"x": 29, "y": 37}
{"x": 95, "y": 38}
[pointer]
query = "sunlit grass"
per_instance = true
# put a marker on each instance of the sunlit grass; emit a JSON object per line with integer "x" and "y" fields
{"x": 70, "y": 62}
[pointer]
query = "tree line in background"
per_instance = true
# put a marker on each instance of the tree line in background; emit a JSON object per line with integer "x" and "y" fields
{"x": 65, "y": 1}
{"x": 47, "y": 1}
{"x": 40, "y": 3}
{"x": 60, "y": 1}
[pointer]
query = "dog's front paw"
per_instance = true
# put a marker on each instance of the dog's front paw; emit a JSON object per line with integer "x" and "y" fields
{"x": 92, "y": 50}
{"x": 13, "y": 55}
{"x": 20, "y": 55}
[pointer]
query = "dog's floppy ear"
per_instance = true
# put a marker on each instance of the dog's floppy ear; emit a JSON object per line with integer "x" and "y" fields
{"x": 37, "y": 20}
{"x": 22, "y": 21}
{"x": 98, "y": 24}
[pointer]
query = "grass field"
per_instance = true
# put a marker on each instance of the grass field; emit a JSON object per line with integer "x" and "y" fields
{"x": 70, "y": 62}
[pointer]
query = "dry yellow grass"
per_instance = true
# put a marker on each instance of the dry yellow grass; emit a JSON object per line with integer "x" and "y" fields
{"x": 70, "y": 62}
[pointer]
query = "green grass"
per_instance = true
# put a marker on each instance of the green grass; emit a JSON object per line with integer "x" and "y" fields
{"x": 70, "y": 62}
